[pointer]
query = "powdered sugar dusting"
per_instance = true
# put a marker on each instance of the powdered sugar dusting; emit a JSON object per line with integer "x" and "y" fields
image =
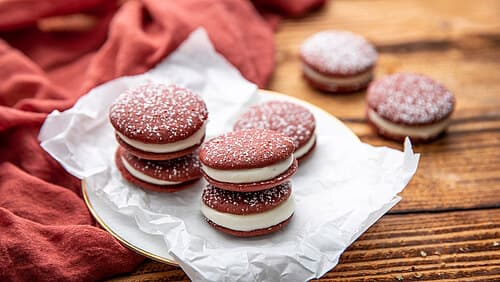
{"x": 288, "y": 118}
{"x": 410, "y": 99}
{"x": 248, "y": 148}
{"x": 245, "y": 202}
{"x": 338, "y": 53}
{"x": 180, "y": 169}
{"x": 156, "y": 113}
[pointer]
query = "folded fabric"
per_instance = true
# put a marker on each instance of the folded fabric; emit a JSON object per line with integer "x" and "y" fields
{"x": 46, "y": 232}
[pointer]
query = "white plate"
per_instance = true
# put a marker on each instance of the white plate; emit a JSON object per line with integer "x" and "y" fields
{"x": 125, "y": 229}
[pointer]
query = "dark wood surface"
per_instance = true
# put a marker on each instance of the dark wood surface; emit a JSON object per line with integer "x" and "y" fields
{"x": 411, "y": 247}
{"x": 448, "y": 224}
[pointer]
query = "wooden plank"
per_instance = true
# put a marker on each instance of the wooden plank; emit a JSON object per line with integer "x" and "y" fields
{"x": 464, "y": 59}
{"x": 153, "y": 271}
{"x": 425, "y": 247}
{"x": 461, "y": 171}
{"x": 419, "y": 247}
{"x": 458, "y": 45}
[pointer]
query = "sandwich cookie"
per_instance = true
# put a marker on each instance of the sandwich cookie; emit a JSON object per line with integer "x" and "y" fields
{"x": 293, "y": 120}
{"x": 407, "y": 104}
{"x": 159, "y": 176}
{"x": 337, "y": 61}
{"x": 248, "y": 160}
{"x": 248, "y": 214}
{"x": 159, "y": 122}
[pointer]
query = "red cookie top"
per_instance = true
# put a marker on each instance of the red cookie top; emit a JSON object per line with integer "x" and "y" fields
{"x": 288, "y": 118}
{"x": 175, "y": 170}
{"x": 411, "y": 99}
{"x": 250, "y": 148}
{"x": 157, "y": 113}
{"x": 245, "y": 203}
{"x": 338, "y": 53}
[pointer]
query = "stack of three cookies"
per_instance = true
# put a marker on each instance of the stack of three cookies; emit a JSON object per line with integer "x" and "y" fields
{"x": 248, "y": 172}
{"x": 159, "y": 128}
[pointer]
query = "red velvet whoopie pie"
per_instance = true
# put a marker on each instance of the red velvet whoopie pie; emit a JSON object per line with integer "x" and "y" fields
{"x": 337, "y": 61}
{"x": 159, "y": 122}
{"x": 248, "y": 214}
{"x": 291, "y": 119}
{"x": 408, "y": 104}
{"x": 158, "y": 176}
{"x": 248, "y": 160}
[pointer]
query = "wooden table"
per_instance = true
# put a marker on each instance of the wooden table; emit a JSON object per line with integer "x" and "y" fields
{"x": 448, "y": 223}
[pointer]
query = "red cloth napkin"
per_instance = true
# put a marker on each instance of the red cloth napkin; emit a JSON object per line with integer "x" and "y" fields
{"x": 46, "y": 232}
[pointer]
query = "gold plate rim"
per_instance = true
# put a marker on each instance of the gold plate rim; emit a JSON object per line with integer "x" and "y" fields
{"x": 144, "y": 252}
{"x": 118, "y": 237}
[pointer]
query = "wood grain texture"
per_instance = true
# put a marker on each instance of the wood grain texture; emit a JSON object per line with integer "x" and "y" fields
{"x": 458, "y": 45}
{"x": 153, "y": 271}
{"x": 448, "y": 224}
{"x": 425, "y": 247}
{"x": 462, "y": 245}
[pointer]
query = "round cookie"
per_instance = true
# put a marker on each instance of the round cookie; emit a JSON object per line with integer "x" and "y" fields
{"x": 248, "y": 214}
{"x": 159, "y": 176}
{"x": 156, "y": 121}
{"x": 293, "y": 120}
{"x": 248, "y": 160}
{"x": 407, "y": 104}
{"x": 337, "y": 61}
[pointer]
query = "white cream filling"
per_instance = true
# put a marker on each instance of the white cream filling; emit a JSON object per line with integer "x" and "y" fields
{"x": 422, "y": 131}
{"x": 248, "y": 175}
{"x": 251, "y": 221}
{"x": 167, "y": 148}
{"x": 305, "y": 148}
{"x": 336, "y": 81}
{"x": 144, "y": 177}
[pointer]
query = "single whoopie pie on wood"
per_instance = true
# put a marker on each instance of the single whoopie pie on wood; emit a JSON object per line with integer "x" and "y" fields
{"x": 247, "y": 214}
{"x": 291, "y": 119}
{"x": 248, "y": 160}
{"x": 337, "y": 61}
{"x": 408, "y": 104}
{"x": 159, "y": 176}
{"x": 159, "y": 122}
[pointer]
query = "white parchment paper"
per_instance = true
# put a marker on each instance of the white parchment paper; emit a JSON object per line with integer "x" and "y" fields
{"x": 342, "y": 189}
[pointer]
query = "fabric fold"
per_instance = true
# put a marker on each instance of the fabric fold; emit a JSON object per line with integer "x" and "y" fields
{"x": 46, "y": 232}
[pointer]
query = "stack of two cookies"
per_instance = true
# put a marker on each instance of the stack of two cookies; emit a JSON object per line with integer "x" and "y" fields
{"x": 248, "y": 172}
{"x": 159, "y": 128}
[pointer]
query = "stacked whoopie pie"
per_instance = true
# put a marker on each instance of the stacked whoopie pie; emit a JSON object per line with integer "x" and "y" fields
{"x": 248, "y": 172}
{"x": 159, "y": 128}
